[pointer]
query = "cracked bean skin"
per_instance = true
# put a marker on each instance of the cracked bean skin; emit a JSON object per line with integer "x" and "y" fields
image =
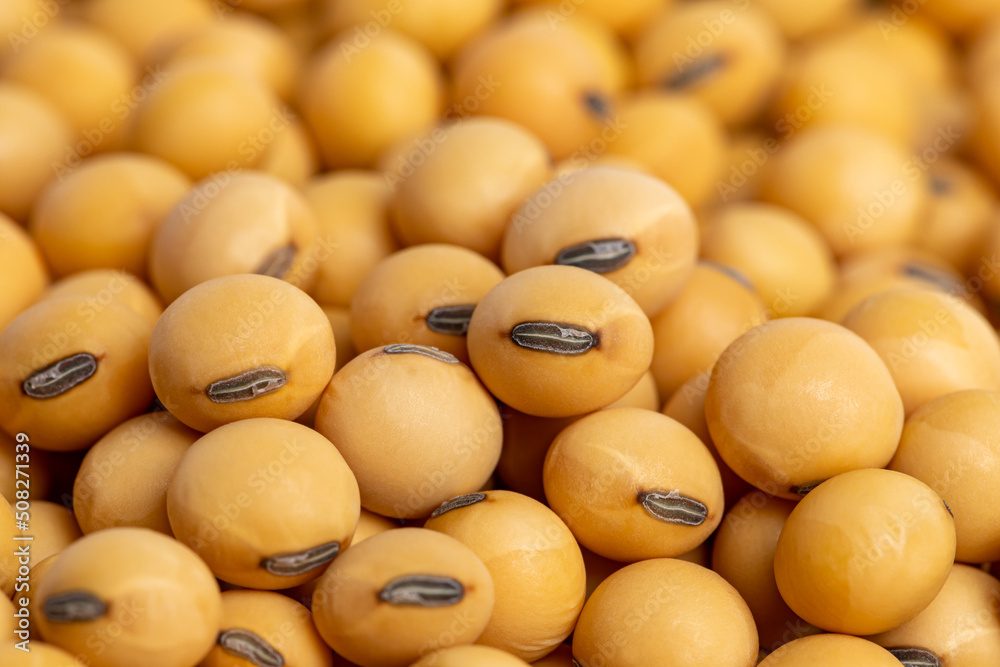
{"x": 231, "y": 326}
{"x": 115, "y": 336}
{"x": 665, "y": 611}
{"x": 952, "y": 444}
{"x": 960, "y": 627}
{"x": 932, "y": 343}
{"x": 536, "y": 566}
{"x": 598, "y": 474}
{"x": 398, "y": 295}
{"x": 830, "y": 651}
{"x": 284, "y": 626}
{"x": 733, "y": 75}
{"x": 798, "y": 273}
{"x": 233, "y": 226}
{"x": 469, "y": 656}
{"x": 799, "y": 400}
{"x": 743, "y": 553}
{"x": 351, "y": 209}
{"x": 864, "y": 552}
{"x": 353, "y": 615}
{"x": 430, "y": 421}
{"x": 713, "y": 308}
{"x": 163, "y": 604}
{"x": 22, "y": 268}
{"x": 287, "y": 491}
{"x": 604, "y": 203}
{"x": 123, "y": 479}
{"x": 104, "y": 214}
{"x": 465, "y": 191}
{"x": 547, "y": 384}
{"x": 549, "y": 81}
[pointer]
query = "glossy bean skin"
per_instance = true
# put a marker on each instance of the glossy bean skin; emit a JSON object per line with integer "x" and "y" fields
{"x": 469, "y": 656}
{"x": 950, "y": 444}
{"x": 639, "y": 452}
{"x": 84, "y": 74}
{"x": 932, "y": 343}
{"x": 139, "y": 575}
{"x": 687, "y": 406}
{"x": 42, "y": 655}
{"x": 351, "y": 210}
{"x": 665, "y": 608}
{"x": 524, "y": 58}
{"x": 833, "y": 649}
{"x": 203, "y": 117}
{"x": 124, "y": 477}
{"x": 146, "y": 29}
{"x": 248, "y": 223}
{"x": 743, "y": 553}
{"x": 675, "y": 137}
{"x": 117, "y": 340}
{"x": 443, "y": 426}
{"x": 100, "y": 287}
{"x": 538, "y": 572}
{"x": 353, "y": 607}
{"x": 22, "y": 269}
{"x": 398, "y": 300}
{"x": 351, "y": 101}
{"x": 293, "y": 493}
{"x": 231, "y": 326}
{"x": 956, "y": 627}
{"x": 442, "y": 26}
{"x": 35, "y": 135}
{"x": 601, "y": 204}
{"x": 809, "y": 177}
{"x": 546, "y": 383}
{"x": 799, "y": 272}
{"x": 111, "y": 205}
{"x": 734, "y": 75}
{"x": 834, "y": 564}
{"x": 467, "y": 188}
{"x": 282, "y": 625}
{"x": 713, "y": 309}
{"x": 248, "y": 43}
{"x": 784, "y": 429}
